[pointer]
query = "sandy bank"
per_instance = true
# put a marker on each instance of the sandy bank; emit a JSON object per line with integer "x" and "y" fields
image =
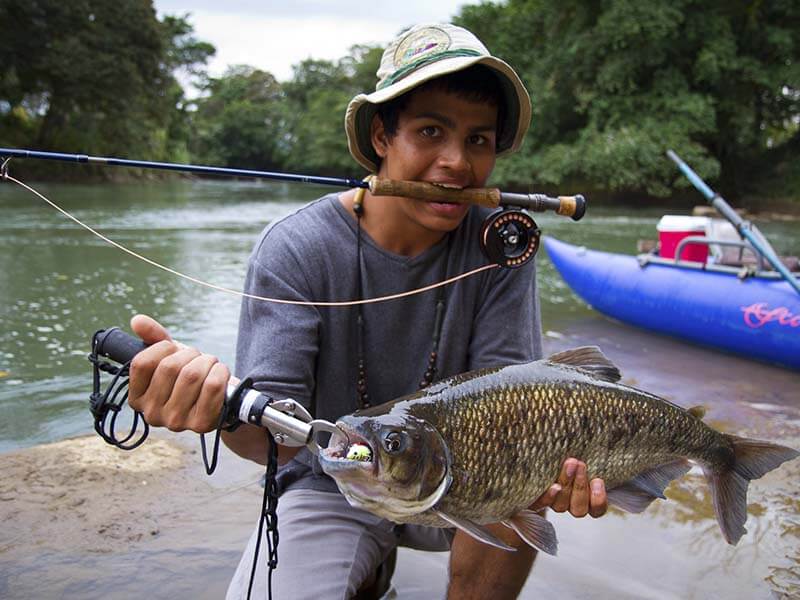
{"x": 83, "y": 519}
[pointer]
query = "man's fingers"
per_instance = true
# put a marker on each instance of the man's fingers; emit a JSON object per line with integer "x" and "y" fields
{"x": 577, "y": 495}
{"x": 162, "y": 383}
{"x": 579, "y": 500}
{"x": 186, "y": 390}
{"x": 546, "y": 500}
{"x": 598, "y": 503}
{"x": 143, "y": 367}
{"x": 150, "y": 330}
{"x": 170, "y": 367}
{"x": 565, "y": 479}
{"x": 205, "y": 413}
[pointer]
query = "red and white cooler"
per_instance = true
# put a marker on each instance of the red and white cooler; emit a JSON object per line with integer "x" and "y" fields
{"x": 673, "y": 228}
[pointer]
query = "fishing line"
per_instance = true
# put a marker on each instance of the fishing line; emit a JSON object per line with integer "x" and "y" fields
{"x": 4, "y": 175}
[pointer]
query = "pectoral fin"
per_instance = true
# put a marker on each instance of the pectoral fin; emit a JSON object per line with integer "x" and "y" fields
{"x": 479, "y": 532}
{"x": 636, "y": 494}
{"x": 535, "y": 530}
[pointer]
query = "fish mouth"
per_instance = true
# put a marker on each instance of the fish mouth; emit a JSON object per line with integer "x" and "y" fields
{"x": 348, "y": 450}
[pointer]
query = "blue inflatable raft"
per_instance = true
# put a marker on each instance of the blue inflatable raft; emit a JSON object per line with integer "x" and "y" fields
{"x": 755, "y": 314}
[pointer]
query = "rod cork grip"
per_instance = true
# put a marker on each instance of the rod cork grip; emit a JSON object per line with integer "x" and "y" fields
{"x": 427, "y": 191}
{"x": 118, "y": 346}
{"x": 572, "y": 206}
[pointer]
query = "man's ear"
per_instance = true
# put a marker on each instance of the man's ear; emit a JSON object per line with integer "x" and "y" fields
{"x": 378, "y": 137}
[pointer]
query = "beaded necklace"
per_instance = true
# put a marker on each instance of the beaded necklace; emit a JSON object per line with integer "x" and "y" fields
{"x": 362, "y": 396}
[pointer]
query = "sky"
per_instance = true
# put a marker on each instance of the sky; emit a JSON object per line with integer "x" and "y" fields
{"x": 272, "y": 35}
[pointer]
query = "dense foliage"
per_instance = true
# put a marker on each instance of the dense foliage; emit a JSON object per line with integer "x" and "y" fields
{"x": 614, "y": 83}
{"x": 247, "y": 119}
{"x": 96, "y": 74}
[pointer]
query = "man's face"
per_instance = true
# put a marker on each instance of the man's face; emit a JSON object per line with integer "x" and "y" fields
{"x": 442, "y": 139}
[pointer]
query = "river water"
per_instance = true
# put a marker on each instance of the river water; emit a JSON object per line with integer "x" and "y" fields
{"x": 59, "y": 284}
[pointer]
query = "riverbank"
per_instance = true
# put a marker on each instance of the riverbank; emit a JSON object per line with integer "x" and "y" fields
{"x": 82, "y": 519}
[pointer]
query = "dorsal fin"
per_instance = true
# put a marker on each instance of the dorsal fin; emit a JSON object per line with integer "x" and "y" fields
{"x": 697, "y": 411}
{"x": 590, "y": 359}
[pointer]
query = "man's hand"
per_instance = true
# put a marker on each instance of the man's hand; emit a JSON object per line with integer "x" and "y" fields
{"x": 574, "y": 493}
{"x": 172, "y": 385}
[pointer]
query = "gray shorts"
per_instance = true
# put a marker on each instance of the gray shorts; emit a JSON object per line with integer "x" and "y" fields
{"x": 327, "y": 548}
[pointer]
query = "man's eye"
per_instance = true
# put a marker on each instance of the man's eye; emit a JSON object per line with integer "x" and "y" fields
{"x": 430, "y": 131}
{"x": 478, "y": 140}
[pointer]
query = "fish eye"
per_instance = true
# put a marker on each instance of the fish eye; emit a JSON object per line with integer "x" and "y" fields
{"x": 393, "y": 442}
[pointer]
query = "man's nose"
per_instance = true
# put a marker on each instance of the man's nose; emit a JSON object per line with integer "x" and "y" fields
{"x": 454, "y": 157}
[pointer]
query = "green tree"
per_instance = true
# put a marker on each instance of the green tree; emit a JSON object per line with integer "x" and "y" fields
{"x": 317, "y": 97}
{"x": 616, "y": 83}
{"x": 240, "y": 123}
{"x": 93, "y": 75}
{"x": 186, "y": 57}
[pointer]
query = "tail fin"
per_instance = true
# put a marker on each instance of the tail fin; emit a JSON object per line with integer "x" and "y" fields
{"x": 752, "y": 459}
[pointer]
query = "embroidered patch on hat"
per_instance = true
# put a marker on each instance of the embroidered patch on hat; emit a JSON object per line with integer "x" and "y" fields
{"x": 420, "y": 44}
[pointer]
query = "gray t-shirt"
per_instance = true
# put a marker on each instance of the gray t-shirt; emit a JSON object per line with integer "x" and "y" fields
{"x": 310, "y": 353}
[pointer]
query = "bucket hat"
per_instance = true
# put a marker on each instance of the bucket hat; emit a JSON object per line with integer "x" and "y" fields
{"x": 422, "y": 53}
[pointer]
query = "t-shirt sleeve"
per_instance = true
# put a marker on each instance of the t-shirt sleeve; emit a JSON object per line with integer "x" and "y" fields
{"x": 507, "y": 327}
{"x": 277, "y": 344}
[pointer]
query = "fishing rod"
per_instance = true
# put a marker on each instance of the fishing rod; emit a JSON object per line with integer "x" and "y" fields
{"x": 570, "y": 206}
{"x": 509, "y": 237}
{"x": 746, "y": 229}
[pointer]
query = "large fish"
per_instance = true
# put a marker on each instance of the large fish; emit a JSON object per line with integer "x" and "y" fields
{"x": 481, "y": 447}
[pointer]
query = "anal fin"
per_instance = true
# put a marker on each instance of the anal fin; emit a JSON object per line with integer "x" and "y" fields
{"x": 636, "y": 494}
{"x": 479, "y": 532}
{"x": 534, "y": 530}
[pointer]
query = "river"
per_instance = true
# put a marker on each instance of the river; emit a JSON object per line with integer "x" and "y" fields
{"x": 59, "y": 284}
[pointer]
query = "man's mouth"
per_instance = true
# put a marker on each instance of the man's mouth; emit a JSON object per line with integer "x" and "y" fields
{"x": 445, "y": 206}
{"x": 449, "y": 186}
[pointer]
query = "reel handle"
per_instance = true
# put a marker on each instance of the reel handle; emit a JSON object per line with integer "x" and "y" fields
{"x": 427, "y": 191}
{"x": 568, "y": 206}
{"x": 117, "y": 345}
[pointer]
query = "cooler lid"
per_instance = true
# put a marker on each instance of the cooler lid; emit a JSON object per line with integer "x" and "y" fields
{"x": 683, "y": 223}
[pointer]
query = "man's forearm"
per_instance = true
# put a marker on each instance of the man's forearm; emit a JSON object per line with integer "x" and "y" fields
{"x": 479, "y": 571}
{"x": 250, "y": 442}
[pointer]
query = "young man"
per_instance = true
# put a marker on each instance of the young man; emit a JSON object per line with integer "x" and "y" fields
{"x": 444, "y": 109}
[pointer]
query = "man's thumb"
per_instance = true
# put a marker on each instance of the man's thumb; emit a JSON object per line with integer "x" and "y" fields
{"x": 150, "y": 330}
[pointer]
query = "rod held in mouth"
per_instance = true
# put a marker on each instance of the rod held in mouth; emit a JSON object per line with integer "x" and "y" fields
{"x": 428, "y": 191}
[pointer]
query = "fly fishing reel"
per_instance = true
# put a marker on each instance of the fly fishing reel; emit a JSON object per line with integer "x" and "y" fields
{"x": 509, "y": 238}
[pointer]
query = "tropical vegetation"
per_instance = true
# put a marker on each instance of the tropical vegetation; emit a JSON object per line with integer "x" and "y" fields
{"x": 614, "y": 83}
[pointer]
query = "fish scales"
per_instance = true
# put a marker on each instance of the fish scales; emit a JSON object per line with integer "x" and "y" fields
{"x": 508, "y": 440}
{"x": 482, "y": 447}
